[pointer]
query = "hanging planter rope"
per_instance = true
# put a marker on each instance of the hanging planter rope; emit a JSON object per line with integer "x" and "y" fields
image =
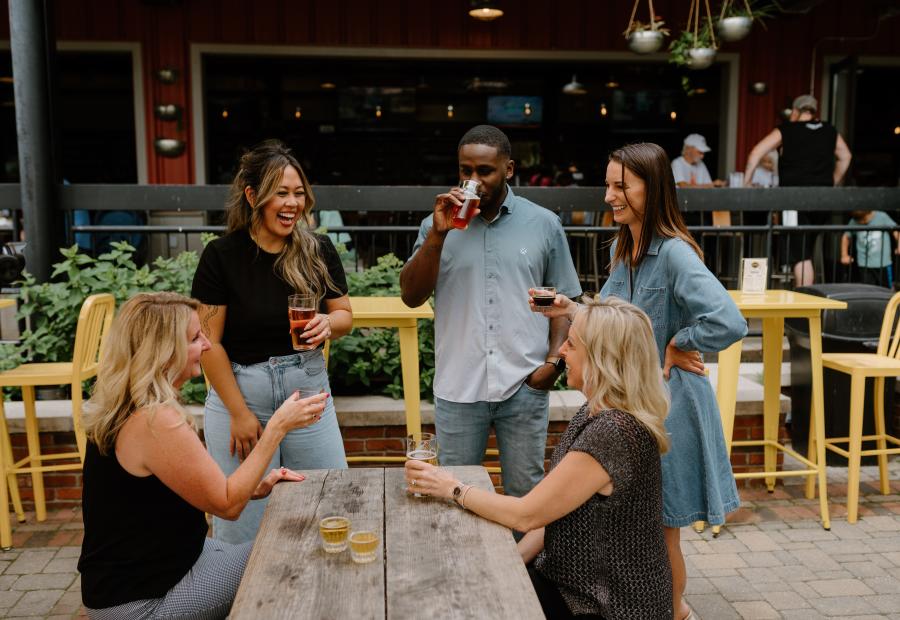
{"x": 644, "y": 38}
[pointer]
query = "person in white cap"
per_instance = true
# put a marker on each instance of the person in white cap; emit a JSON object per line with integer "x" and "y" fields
{"x": 813, "y": 154}
{"x": 689, "y": 169}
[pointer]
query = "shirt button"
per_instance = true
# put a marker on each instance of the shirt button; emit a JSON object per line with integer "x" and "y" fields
{"x": 490, "y": 301}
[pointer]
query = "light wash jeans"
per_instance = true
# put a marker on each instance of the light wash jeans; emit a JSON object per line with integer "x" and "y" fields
{"x": 265, "y": 386}
{"x": 521, "y": 426}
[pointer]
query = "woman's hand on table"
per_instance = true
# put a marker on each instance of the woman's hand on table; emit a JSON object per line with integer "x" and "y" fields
{"x": 318, "y": 330}
{"x": 427, "y": 479}
{"x": 281, "y": 474}
{"x": 689, "y": 361}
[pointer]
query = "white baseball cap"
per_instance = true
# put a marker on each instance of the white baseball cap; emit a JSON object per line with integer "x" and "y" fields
{"x": 698, "y": 142}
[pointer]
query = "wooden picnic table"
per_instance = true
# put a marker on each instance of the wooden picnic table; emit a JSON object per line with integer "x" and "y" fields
{"x": 435, "y": 559}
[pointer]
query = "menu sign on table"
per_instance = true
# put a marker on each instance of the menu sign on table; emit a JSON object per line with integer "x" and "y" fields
{"x": 753, "y": 275}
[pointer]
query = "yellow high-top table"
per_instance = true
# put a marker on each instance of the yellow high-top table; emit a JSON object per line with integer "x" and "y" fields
{"x": 392, "y": 312}
{"x": 773, "y": 307}
{"x": 7, "y": 303}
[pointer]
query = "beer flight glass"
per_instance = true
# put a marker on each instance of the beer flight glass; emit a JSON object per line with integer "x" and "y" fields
{"x": 543, "y": 297}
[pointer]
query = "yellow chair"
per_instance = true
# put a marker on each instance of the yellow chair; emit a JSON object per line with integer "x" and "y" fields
{"x": 93, "y": 323}
{"x": 860, "y": 366}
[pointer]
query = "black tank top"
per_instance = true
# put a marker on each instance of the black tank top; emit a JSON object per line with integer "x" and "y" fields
{"x": 140, "y": 537}
{"x": 807, "y": 154}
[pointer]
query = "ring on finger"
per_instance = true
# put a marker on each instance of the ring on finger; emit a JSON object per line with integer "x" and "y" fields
{"x": 414, "y": 482}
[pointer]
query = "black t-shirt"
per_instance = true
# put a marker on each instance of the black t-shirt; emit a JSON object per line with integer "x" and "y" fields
{"x": 807, "y": 154}
{"x": 140, "y": 537}
{"x": 236, "y": 273}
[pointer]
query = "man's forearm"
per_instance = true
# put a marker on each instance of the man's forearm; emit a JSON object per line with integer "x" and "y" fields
{"x": 419, "y": 276}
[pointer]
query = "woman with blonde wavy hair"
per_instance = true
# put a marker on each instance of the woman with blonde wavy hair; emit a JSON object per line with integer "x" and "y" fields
{"x": 148, "y": 479}
{"x": 594, "y": 544}
{"x": 243, "y": 281}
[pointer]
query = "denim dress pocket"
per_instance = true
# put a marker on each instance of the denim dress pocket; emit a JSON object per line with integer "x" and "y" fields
{"x": 652, "y": 301}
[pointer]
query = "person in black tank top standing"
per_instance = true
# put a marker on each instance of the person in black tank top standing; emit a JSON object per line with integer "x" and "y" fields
{"x": 813, "y": 154}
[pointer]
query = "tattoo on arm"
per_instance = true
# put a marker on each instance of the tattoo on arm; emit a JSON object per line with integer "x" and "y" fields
{"x": 211, "y": 311}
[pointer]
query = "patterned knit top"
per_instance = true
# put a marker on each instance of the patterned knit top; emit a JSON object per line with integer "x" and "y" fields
{"x": 608, "y": 556}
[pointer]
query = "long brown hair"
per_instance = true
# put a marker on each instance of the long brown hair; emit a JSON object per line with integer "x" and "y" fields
{"x": 661, "y": 216}
{"x": 299, "y": 263}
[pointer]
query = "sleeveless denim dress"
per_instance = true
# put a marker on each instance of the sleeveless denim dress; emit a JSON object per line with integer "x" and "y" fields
{"x": 685, "y": 301}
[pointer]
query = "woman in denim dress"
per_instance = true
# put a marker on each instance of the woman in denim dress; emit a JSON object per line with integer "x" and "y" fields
{"x": 243, "y": 281}
{"x": 657, "y": 266}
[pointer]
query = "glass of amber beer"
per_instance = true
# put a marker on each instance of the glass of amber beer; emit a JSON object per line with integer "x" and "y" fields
{"x": 333, "y": 531}
{"x": 301, "y": 310}
{"x": 422, "y": 447}
{"x": 463, "y": 214}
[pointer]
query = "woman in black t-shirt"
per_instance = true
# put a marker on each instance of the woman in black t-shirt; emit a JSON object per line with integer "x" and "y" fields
{"x": 243, "y": 281}
{"x": 148, "y": 479}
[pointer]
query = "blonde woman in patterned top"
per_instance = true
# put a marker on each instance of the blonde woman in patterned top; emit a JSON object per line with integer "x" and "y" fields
{"x": 594, "y": 544}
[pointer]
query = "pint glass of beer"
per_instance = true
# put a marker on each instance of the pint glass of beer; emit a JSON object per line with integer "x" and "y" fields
{"x": 301, "y": 310}
{"x": 422, "y": 447}
{"x": 463, "y": 214}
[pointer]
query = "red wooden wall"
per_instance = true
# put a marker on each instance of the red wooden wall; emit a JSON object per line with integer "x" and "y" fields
{"x": 781, "y": 56}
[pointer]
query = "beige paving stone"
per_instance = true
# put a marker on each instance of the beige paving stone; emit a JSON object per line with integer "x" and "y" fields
{"x": 885, "y": 603}
{"x": 794, "y": 573}
{"x": 840, "y": 587}
{"x": 759, "y": 559}
{"x": 759, "y": 541}
{"x": 68, "y": 552}
{"x": 36, "y": 603}
{"x": 784, "y": 600}
{"x": 883, "y": 585}
{"x": 863, "y": 569}
{"x": 842, "y": 606}
{"x": 735, "y": 588}
{"x": 62, "y": 565}
{"x": 30, "y": 561}
{"x": 816, "y": 559}
{"x": 884, "y": 524}
{"x": 763, "y": 577}
{"x": 9, "y": 598}
{"x": 756, "y": 610}
{"x": 722, "y": 560}
{"x": 69, "y": 603}
{"x": 712, "y": 607}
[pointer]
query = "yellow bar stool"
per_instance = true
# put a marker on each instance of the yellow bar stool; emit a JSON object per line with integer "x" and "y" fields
{"x": 860, "y": 366}
{"x": 93, "y": 323}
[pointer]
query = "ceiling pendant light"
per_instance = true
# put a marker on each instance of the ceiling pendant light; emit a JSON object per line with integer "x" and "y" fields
{"x": 574, "y": 87}
{"x": 485, "y": 10}
{"x": 450, "y": 111}
{"x": 298, "y": 113}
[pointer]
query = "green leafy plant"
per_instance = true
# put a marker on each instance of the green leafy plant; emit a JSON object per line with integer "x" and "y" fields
{"x": 52, "y": 308}
{"x": 756, "y": 10}
{"x": 680, "y": 46}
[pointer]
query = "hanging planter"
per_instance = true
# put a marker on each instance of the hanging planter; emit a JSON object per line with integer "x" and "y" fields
{"x": 695, "y": 48}
{"x": 736, "y": 20}
{"x": 645, "y": 38}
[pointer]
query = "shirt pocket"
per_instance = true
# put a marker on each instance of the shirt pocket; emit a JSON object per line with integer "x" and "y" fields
{"x": 616, "y": 288}
{"x": 652, "y": 301}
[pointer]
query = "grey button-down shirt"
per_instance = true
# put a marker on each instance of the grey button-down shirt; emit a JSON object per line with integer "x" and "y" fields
{"x": 487, "y": 341}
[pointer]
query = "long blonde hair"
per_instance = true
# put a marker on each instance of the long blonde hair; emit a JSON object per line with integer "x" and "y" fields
{"x": 143, "y": 355}
{"x": 621, "y": 368}
{"x": 299, "y": 263}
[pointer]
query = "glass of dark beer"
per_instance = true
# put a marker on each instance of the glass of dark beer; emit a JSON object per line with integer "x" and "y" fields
{"x": 543, "y": 297}
{"x": 301, "y": 310}
{"x": 463, "y": 214}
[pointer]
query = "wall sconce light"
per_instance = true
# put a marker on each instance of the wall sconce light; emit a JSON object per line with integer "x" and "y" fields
{"x": 484, "y": 10}
{"x": 378, "y": 111}
{"x": 167, "y": 75}
{"x": 527, "y": 110}
{"x": 167, "y": 111}
{"x": 298, "y": 113}
{"x": 611, "y": 83}
{"x": 449, "y": 111}
{"x": 603, "y": 110}
{"x": 169, "y": 147}
{"x": 225, "y": 113}
{"x": 759, "y": 88}
{"x": 327, "y": 85}
{"x": 673, "y": 115}
{"x": 574, "y": 87}
{"x": 897, "y": 130}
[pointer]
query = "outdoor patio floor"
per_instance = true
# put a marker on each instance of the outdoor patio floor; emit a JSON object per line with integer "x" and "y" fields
{"x": 772, "y": 560}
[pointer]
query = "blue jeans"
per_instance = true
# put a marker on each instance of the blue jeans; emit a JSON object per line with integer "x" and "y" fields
{"x": 521, "y": 426}
{"x": 265, "y": 386}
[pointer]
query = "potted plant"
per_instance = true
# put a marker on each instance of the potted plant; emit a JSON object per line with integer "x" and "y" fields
{"x": 646, "y": 38}
{"x": 694, "y": 51}
{"x": 736, "y": 20}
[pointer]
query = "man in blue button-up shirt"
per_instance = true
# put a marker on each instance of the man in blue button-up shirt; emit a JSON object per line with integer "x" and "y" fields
{"x": 495, "y": 359}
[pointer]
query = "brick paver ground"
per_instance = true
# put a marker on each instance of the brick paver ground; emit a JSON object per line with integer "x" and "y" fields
{"x": 773, "y": 559}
